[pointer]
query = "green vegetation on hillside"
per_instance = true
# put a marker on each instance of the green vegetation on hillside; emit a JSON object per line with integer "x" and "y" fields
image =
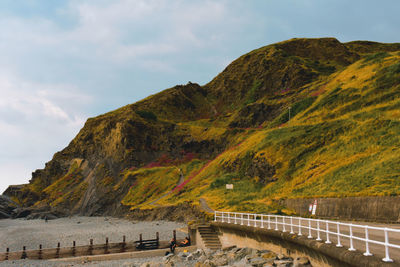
{"x": 342, "y": 138}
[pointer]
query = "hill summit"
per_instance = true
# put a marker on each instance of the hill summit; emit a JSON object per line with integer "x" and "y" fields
{"x": 296, "y": 119}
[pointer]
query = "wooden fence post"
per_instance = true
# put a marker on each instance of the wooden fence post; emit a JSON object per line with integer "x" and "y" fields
{"x": 7, "y": 252}
{"x": 23, "y": 256}
{"x": 91, "y": 247}
{"x": 106, "y": 247}
{"x": 40, "y": 252}
{"x": 123, "y": 244}
{"x": 58, "y": 250}
{"x": 174, "y": 235}
{"x": 158, "y": 239}
{"x": 73, "y": 248}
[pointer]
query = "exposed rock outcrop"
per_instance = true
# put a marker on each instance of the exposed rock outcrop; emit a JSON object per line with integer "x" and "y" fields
{"x": 7, "y": 207}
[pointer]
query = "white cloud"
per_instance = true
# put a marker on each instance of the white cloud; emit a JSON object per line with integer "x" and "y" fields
{"x": 34, "y": 100}
{"x": 35, "y": 122}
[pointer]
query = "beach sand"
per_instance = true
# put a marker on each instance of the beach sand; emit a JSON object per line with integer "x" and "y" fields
{"x": 31, "y": 233}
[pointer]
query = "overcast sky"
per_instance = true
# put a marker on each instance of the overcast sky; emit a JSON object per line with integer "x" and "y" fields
{"x": 62, "y": 62}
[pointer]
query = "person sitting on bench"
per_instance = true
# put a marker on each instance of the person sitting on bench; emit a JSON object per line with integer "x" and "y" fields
{"x": 185, "y": 243}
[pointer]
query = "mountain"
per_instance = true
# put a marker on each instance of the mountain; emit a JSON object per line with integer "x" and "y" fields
{"x": 296, "y": 119}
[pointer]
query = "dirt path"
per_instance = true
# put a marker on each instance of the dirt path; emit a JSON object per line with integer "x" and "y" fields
{"x": 204, "y": 206}
{"x": 181, "y": 180}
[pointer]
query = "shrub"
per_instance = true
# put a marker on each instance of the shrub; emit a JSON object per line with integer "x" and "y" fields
{"x": 377, "y": 57}
{"x": 295, "y": 109}
{"x": 222, "y": 181}
{"x": 147, "y": 115}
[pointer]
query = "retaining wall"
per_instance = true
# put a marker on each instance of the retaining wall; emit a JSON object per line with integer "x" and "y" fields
{"x": 320, "y": 254}
{"x": 378, "y": 209}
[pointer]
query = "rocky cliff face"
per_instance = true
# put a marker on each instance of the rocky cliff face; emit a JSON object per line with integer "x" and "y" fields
{"x": 7, "y": 207}
{"x": 129, "y": 157}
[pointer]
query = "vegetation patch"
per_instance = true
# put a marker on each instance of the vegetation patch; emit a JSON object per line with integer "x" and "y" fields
{"x": 147, "y": 115}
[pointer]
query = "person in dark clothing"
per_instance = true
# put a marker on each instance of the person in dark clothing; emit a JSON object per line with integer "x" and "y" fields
{"x": 172, "y": 245}
{"x": 185, "y": 243}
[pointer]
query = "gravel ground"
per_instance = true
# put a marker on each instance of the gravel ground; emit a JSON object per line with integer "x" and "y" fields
{"x": 112, "y": 263}
{"x": 30, "y": 233}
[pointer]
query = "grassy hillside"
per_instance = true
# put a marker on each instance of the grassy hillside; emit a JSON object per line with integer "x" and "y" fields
{"x": 297, "y": 119}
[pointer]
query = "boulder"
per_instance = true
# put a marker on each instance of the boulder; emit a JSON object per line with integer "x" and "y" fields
{"x": 207, "y": 263}
{"x": 190, "y": 257}
{"x": 129, "y": 264}
{"x": 283, "y": 263}
{"x": 152, "y": 264}
{"x": 220, "y": 260}
{"x": 301, "y": 262}
{"x": 268, "y": 255}
{"x": 257, "y": 262}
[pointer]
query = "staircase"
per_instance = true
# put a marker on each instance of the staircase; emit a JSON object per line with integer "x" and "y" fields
{"x": 209, "y": 237}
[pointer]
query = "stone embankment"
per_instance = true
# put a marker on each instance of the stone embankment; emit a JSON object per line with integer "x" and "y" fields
{"x": 233, "y": 256}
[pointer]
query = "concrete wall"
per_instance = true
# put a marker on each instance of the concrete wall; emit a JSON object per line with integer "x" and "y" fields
{"x": 379, "y": 209}
{"x": 320, "y": 254}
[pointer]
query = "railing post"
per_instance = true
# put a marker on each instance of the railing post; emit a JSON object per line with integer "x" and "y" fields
{"x": 300, "y": 226}
{"x": 309, "y": 229}
{"x": 291, "y": 225}
{"x": 387, "y": 257}
{"x": 215, "y": 216}
{"x": 255, "y": 220}
{"x": 276, "y": 223}
{"x": 339, "y": 245}
{"x": 229, "y": 217}
{"x": 235, "y": 218}
{"x": 327, "y": 233}
{"x": 318, "y": 233}
{"x": 248, "y": 219}
{"x": 269, "y": 221}
{"x": 283, "y": 224}
{"x": 262, "y": 222}
{"x": 367, "y": 252}
{"x": 222, "y": 216}
{"x": 241, "y": 216}
{"x": 351, "y": 238}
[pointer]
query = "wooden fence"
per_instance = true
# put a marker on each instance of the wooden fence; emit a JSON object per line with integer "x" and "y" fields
{"x": 91, "y": 249}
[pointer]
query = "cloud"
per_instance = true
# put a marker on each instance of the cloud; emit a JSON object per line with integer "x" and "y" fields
{"x": 32, "y": 100}
{"x": 62, "y": 61}
{"x": 36, "y": 120}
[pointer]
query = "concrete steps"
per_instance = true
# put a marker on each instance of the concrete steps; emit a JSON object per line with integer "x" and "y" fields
{"x": 209, "y": 237}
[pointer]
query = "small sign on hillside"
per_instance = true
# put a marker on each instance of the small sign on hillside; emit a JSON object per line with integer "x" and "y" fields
{"x": 229, "y": 186}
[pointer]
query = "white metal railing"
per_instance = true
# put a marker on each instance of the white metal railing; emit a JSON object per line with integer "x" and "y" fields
{"x": 328, "y": 228}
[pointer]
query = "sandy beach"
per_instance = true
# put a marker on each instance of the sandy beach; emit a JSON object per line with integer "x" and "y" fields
{"x": 17, "y": 233}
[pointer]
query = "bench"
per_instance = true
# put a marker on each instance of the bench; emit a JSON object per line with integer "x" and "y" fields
{"x": 147, "y": 244}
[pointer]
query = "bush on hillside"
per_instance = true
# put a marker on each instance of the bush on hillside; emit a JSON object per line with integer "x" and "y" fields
{"x": 147, "y": 115}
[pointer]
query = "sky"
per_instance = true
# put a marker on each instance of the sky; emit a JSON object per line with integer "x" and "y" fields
{"x": 62, "y": 62}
